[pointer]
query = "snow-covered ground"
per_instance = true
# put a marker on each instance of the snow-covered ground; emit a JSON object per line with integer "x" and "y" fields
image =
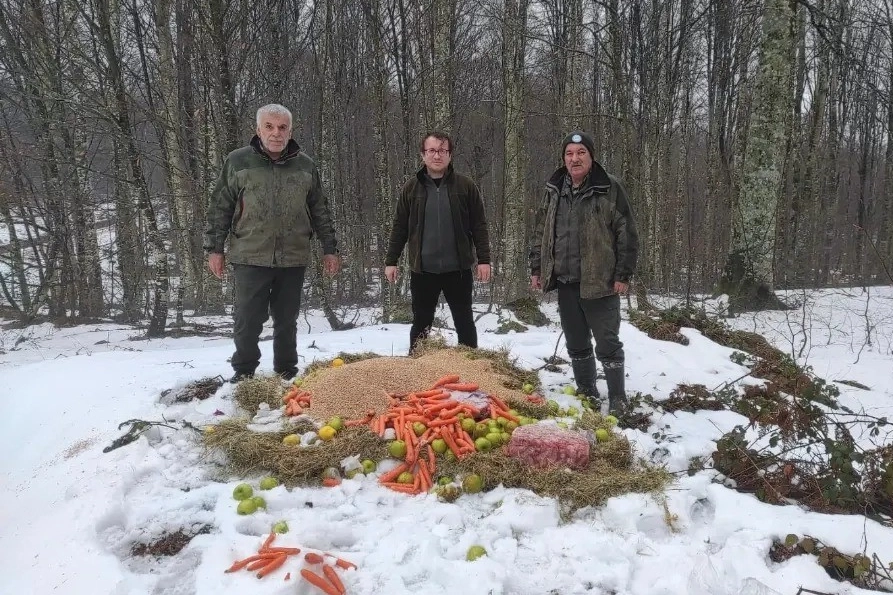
{"x": 72, "y": 512}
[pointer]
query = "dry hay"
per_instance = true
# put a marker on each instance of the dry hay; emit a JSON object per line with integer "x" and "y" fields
{"x": 611, "y": 472}
{"x": 354, "y": 388}
{"x": 263, "y": 452}
{"x": 251, "y": 392}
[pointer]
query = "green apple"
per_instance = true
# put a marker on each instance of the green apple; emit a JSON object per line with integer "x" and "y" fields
{"x": 352, "y": 473}
{"x": 561, "y": 424}
{"x": 243, "y": 491}
{"x": 481, "y": 430}
{"x": 475, "y": 552}
{"x": 573, "y": 411}
{"x": 337, "y": 423}
{"x": 554, "y": 407}
{"x": 482, "y": 445}
{"x": 569, "y": 389}
{"x": 419, "y": 428}
{"x": 405, "y": 477}
{"x": 611, "y": 420}
{"x": 369, "y": 466}
{"x": 510, "y": 427}
{"x": 439, "y": 445}
{"x": 450, "y": 455}
{"x": 280, "y": 527}
{"x": 514, "y": 413}
{"x": 472, "y": 484}
{"x": 297, "y": 381}
{"x": 444, "y": 480}
{"x": 259, "y": 502}
{"x": 397, "y": 449}
{"x": 501, "y": 421}
{"x": 468, "y": 425}
{"x": 602, "y": 435}
{"x": 268, "y": 483}
{"x": 527, "y": 388}
{"x": 494, "y": 438}
{"x": 247, "y": 506}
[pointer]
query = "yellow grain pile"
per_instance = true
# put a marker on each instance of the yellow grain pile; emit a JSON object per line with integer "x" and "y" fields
{"x": 352, "y": 389}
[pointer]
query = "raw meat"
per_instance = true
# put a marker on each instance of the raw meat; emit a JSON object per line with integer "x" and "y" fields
{"x": 544, "y": 445}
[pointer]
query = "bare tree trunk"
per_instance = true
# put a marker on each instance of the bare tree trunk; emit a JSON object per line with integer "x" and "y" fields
{"x": 748, "y": 277}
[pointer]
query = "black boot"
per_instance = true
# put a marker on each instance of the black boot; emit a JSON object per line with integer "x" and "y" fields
{"x": 584, "y": 376}
{"x": 240, "y": 376}
{"x": 615, "y": 377}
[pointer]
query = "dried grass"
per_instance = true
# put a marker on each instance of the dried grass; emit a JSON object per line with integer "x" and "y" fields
{"x": 250, "y": 393}
{"x": 263, "y": 452}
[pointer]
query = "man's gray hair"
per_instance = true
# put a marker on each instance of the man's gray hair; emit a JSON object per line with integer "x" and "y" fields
{"x": 273, "y": 109}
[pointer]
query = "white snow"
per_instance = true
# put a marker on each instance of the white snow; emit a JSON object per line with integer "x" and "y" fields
{"x": 72, "y": 513}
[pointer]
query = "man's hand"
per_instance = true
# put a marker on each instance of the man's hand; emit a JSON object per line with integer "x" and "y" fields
{"x": 484, "y": 272}
{"x": 390, "y": 273}
{"x": 620, "y": 287}
{"x": 217, "y": 264}
{"x": 535, "y": 282}
{"x": 331, "y": 264}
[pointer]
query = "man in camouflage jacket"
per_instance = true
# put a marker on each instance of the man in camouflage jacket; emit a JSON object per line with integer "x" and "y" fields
{"x": 268, "y": 203}
{"x": 585, "y": 245}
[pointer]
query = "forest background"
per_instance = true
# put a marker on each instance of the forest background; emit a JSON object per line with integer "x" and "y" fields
{"x": 755, "y": 138}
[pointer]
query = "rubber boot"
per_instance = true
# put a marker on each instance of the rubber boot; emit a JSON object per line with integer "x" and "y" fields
{"x": 584, "y": 377}
{"x": 615, "y": 376}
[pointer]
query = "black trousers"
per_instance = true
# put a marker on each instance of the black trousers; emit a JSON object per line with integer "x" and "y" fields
{"x": 261, "y": 292}
{"x": 456, "y": 287}
{"x": 582, "y": 319}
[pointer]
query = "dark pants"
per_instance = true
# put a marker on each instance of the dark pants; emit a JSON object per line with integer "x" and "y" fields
{"x": 260, "y": 292}
{"x": 456, "y": 287}
{"x": 582, "y": 319}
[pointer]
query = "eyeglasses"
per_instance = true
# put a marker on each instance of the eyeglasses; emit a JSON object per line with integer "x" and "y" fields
{"x": 433, "y": 152}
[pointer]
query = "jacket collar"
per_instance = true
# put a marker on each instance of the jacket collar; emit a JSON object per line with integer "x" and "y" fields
{"x": 291, "y": 149}
{"x": 597, "y": 179}
{"x": 424, "y": 170}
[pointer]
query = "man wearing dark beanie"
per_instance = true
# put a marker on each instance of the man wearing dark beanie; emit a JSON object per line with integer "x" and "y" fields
{"x": 585, "y": 245}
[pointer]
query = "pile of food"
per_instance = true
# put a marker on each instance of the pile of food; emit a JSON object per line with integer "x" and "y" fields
{"x": 449, "y": 422}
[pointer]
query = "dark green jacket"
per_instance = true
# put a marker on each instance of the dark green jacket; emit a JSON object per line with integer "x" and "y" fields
{"x": 609, "y": 242}
{"x": 469, "y": 221}
{"x": 268, "y": 210}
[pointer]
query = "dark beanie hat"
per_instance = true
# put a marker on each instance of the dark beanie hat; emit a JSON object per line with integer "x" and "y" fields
{"x": 581, "y": 138}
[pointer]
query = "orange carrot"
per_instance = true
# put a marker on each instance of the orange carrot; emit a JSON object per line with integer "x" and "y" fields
{"x": 319, "y": 582}
{"x": 268, "y": 541}
{"x": 448, "y": 379}
{"x": 341, "y": 563}
{"x": 443, "y": 422}
{"x": 333, "y": 578}
{"x": 401, "y": 487}
{"x": 499, "y": 402}
{"x": 240, "y": 564}
{"x": 289, "y": 551}
{"x": 276, "y": 563}
{"x": 432, "y": 409}
{"x": 313, "y": 558}
{"x": 467, "y": 387}
{"x": 448, "y": 438}
{"x": 258, "y": 564}
{"x": 431, "y": 458}
{"x": 393, "y": 473}
{"x": 417, "y": 482}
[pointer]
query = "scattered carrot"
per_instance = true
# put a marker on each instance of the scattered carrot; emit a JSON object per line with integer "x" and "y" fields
{"x": 333, "y": 578}
{"x": 448, "y": 379}
{"x": 467, "y": 387}
{"x": 271, "y": 566}
{"x": 313, "y": 558}
{"x": 240, "y": 564}
{"x": 319, "y": 582}
{"x": 258, "y": 564}
{"x": 393, "y": 473}
{"x": 341, "y": 563}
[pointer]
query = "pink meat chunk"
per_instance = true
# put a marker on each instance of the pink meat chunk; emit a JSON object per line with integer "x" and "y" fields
{"x": 544, "y": 445}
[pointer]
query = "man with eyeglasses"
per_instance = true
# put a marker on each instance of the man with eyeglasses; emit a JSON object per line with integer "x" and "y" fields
{"x": 585, "y": 245}
{"x": 440, "y": 219}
